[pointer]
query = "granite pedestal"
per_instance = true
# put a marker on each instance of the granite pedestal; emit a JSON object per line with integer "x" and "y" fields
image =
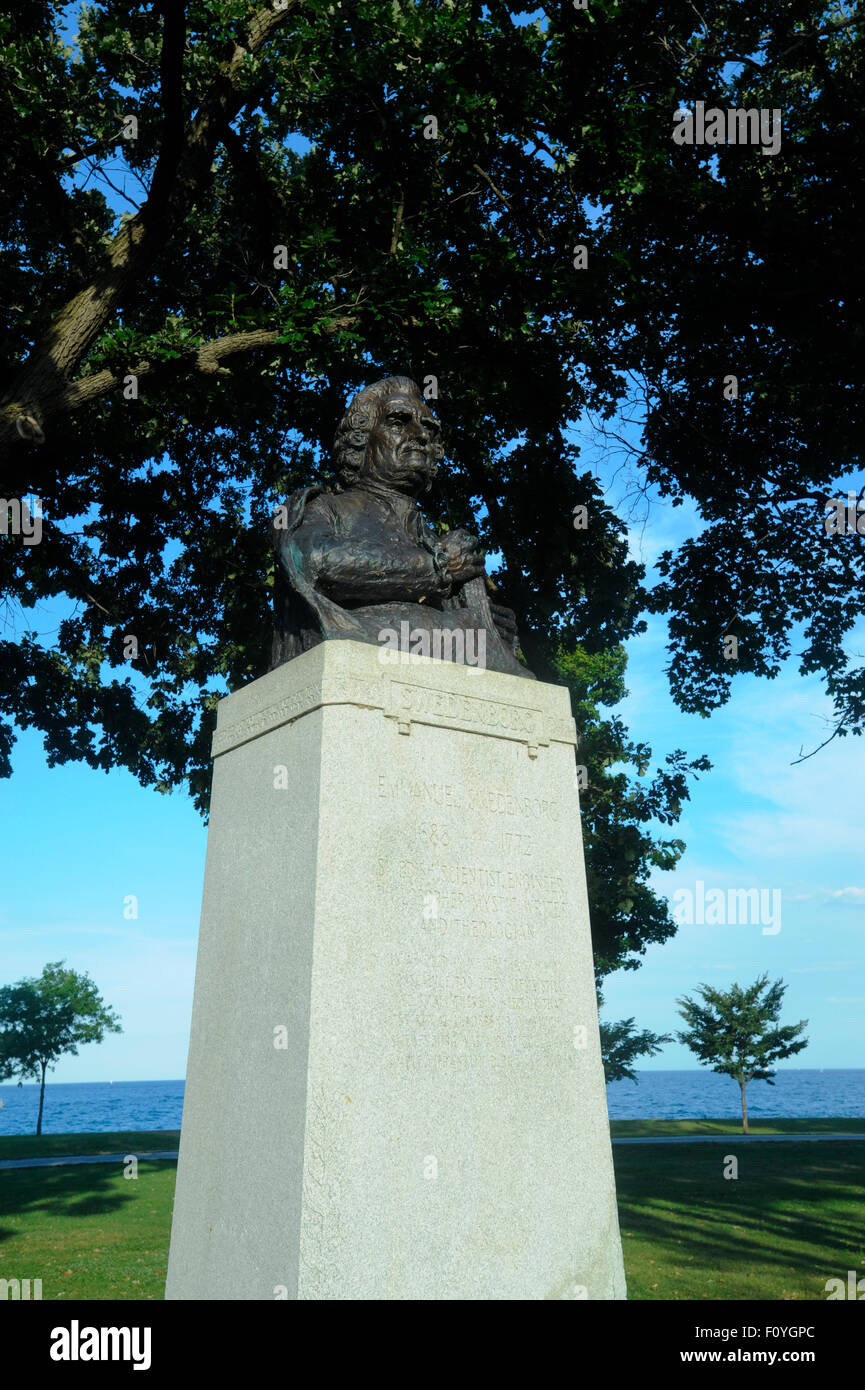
{"x": 395, "y": 1087}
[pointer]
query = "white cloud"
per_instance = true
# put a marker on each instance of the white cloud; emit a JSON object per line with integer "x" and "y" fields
{"x": 854, "y": 896}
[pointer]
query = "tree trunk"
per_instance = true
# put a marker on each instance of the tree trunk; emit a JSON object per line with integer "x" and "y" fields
{"x": 41, "y": 1101}
{"x": 742, "y": 1085}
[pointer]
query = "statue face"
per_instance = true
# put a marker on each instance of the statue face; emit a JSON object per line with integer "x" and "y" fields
{"x": 403, "y": 447}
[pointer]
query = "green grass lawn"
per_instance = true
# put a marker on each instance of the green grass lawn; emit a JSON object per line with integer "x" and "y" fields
{"x": 792, "y": 1219}
{"x": 88, "y": 1232}
{"x": 56, "y": 1145}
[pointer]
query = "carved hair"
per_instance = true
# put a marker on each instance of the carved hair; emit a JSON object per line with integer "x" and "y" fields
{"x": 355, "y": 427}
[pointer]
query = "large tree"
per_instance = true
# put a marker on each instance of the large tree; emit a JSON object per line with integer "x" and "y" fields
{"x": 321, "y": 191}
{"x": 734, "y": 1032}
{"x": 46, "y": 1018}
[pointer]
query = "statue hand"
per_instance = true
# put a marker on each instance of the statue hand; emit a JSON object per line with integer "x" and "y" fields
{"x": 505, "y": 620}
{"x": 465, "y": 557}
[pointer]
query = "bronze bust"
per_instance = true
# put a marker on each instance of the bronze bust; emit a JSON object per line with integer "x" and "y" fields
{"x": 357, "y": 560}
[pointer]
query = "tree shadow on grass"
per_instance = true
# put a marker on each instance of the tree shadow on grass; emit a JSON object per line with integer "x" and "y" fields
{"x": 87, "y": 1189}
{"x": 791, "y": 1206}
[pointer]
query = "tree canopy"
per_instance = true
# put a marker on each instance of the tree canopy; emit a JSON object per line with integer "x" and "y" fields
{"x": 622, "y": 1043}
{"x": 46, "y": 1018}
{"x": 731, "y": 1030}
{"x": 318, "y": 192}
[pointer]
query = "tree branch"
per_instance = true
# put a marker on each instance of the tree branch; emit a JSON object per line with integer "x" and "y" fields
{"x": 182, "y": 172}
{"x": 397, "y": 223}
{"x": 113, "y": 186}
{"x": 488, "y": 181}
{"x": 108, "y": 142}
{"x": 803, "y": 757}
{"x": 820, "y": 34}
{"x": 203, "y": 357}
{"x": 499, "y": 194}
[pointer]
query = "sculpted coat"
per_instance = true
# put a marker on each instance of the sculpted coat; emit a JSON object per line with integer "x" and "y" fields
{"x": 358, "y": 560}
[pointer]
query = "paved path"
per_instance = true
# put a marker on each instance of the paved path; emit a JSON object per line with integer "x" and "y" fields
{"x": 82, "y": 1158}
{"x": 732, "y": 1138}
{"x": 59, "y": 1162}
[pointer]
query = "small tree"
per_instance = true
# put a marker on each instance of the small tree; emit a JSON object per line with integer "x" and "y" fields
{"x": 621, "y": 1045}
{"x": 43, "y": 1019}
{"x": 731, "y": 1031}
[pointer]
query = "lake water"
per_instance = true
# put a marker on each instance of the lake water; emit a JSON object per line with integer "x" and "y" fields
{"x": 704, "y": 1095}
{"x": 92, "y": 1106}
{"x": 664, "y": 1095}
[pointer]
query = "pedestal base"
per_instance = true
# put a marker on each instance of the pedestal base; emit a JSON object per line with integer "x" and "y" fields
{"x": 395, "y": 1087}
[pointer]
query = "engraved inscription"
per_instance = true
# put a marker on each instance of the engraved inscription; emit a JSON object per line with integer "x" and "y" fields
{"x": 483, "y": 1011}
{"x": 477, "y": 900}
{"x": 490, "y": 716}
{"x": 351, "y": 690}
{"x": 419, "y": 792}
{"x": 404, "y": 703}
{"x": 270, "y": 718}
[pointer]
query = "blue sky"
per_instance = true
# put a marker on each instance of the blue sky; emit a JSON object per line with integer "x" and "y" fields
{"x": 758, "y": 819}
